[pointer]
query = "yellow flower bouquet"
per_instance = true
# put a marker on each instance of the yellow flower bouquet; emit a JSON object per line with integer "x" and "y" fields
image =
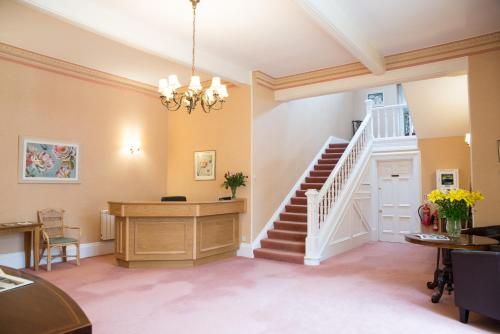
{"x": 454, "y": 205}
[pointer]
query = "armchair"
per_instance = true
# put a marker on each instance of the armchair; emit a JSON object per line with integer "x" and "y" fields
{"x": 476, "y": 278}
{"x": 54, "y": 236}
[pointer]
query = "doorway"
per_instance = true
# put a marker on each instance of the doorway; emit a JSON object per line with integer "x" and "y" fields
{"x": 398, "y": 199}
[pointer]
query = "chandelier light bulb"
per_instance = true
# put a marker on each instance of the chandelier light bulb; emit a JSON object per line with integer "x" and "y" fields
{"x": 195, "y": 83}
{"x": 173, "y": 81}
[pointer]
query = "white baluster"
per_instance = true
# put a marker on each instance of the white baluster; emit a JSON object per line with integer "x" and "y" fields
{"x": 386, "y": 130}
{"x": 394, "y": 129}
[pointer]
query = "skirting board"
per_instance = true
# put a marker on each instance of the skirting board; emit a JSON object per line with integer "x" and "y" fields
{"x": 245, "y": 250}
{"x": 16, "y": 260}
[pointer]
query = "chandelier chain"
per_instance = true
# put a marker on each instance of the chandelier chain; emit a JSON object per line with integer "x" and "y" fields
{"x": 194, "y": 39}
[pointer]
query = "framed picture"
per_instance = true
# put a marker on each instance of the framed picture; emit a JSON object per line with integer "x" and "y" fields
{"x": 377, "y": 98}
{"x": 48, "y": 161}
{"x": 498, "y": 146}
{"x": 447, "y": 179}
{"x": 204, "y": 165}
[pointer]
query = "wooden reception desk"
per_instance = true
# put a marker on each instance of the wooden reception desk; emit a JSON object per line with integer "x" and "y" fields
{"x": 175, "y": 234}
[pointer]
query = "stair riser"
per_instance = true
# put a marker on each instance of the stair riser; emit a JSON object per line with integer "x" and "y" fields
{"x": 291, "y": 227}
{"x": 300, "y": 193}
{"x": 305, "y": 186}
{"x": 283, "y": 258}
{"x": 324, "y": 167}
{"x": 283, "y": 246}
{"x": 319, "y": 180}
{"x": 298, "y": 201}
{"x": 327, "y": 161}
{"x": 338, "y": 146}
{"x": 298, "y": 217}
{"x": 286, "y": 236}
{"x": 334, "y": 150}
{"x": 296, "y": 209}
{"x": 319, "y": 173}
{"x": 331, "y": 155}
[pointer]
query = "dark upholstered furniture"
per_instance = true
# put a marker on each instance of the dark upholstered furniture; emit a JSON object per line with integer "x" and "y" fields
{"x": 476, "y": 277}
{"x": 486, "y": 231}
{"x": 174, "y": 199}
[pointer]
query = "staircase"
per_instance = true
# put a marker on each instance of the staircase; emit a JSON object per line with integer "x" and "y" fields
{"x": 286, "y": 241}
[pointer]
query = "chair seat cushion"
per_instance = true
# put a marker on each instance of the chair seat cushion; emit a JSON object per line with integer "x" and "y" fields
{"x": 62, "y": 240}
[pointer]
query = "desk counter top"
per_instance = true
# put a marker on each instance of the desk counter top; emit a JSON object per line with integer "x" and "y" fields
{"x": 175, "y": 209}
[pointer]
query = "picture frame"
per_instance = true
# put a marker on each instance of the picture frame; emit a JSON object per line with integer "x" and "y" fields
{"x": 48, "y": 161}
{"x": 447, "y": 179}
{"x": 204, "y": 165}
{"x": 498, "y": 149}
{"x": 377, "y": 98}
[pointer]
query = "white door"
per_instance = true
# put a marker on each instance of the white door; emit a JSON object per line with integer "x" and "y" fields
{"x": 397, "y": 193}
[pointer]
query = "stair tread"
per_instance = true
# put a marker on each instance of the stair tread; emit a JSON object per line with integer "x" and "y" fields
{"x": 289, "y": 232}
{"x": 281, "y": 255}
{"x": 282, "y": 241}
{"x": 290, "y": 222}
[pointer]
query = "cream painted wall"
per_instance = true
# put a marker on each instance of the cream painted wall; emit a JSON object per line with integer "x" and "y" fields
{"x": 226, "y": 131}
{"x": 286, "y": 137}
{"x": 484, "y": 95}
{"x": 444, "y": 153}
{"x": 39, "y": 103}
{"x": 53, "y": 37}
{"x": 439, "y": 107}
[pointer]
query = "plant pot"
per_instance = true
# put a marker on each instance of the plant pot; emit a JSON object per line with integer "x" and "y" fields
{"x": 233, "y": 193}
{"x": 453, "y": 227}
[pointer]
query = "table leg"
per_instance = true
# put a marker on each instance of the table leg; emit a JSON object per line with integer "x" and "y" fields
{"x": 36, "y": 247}
{"x": 27, "y": 249}
{"x": 445, "y": 278}
{"x": 434, "y": 283}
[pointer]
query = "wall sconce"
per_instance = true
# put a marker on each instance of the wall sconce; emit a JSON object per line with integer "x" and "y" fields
{"x": 467, "y": 138}
{"x": 134, "y": 149}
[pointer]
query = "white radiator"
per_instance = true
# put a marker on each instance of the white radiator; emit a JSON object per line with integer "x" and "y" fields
{"x": 107, "y": 225}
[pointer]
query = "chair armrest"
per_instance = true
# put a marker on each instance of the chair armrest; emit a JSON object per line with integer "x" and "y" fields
{"x": 74, "y": 228}
{"x": 45, "y": 236}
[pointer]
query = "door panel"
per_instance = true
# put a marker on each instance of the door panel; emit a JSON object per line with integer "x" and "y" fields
{"x": 397, "y": 189}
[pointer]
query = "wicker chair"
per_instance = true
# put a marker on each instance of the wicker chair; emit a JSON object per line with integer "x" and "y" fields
{"x": 53, "y": 233}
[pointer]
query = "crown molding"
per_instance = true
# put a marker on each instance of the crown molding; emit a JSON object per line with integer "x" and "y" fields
{"x": 62, "y": 67}
{"x": 54, "y": 65}
{"x": 457, "y": 49}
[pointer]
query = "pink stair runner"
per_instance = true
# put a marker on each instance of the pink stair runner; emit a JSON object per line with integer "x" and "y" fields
{"x": 286, "y": 241}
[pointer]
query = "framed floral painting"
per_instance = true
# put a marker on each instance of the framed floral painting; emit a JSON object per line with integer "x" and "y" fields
{"x": 204, "y": 165}
{"x": 48, "y": 161}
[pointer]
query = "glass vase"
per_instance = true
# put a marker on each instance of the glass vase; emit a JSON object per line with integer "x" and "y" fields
{"x": 233, "y": 192}
{"x": 453, "y": 227}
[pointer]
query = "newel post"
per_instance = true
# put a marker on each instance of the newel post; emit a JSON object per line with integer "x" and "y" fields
{"x": 312, "y": 246}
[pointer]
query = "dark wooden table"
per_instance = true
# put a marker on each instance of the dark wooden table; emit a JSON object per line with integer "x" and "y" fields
{"x": 40, "y": 308}
{"x": 443, "y": 277}
{"x": 31, "y": 239}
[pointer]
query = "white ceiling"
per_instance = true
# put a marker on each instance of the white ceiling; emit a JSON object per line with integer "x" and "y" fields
{"x": 279, "y": 37}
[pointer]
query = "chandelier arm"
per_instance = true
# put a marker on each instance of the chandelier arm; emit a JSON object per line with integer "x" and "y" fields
{"x": 203, "y": 106}
{"x": 176, "y": 103}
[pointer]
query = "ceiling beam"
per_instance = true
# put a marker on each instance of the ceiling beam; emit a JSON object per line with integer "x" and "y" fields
{"x": 336, "y": 23}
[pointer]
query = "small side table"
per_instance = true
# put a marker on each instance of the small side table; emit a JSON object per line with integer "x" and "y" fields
{"x": 443, "y": 277}
{"x": 31, "y": 232}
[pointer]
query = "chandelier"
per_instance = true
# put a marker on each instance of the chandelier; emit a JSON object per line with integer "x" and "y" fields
{"x": 210, "y": 98}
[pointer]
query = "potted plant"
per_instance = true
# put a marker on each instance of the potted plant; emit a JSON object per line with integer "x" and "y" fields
{"x": 234, "y": 181}
{"x": 454, "y": 205}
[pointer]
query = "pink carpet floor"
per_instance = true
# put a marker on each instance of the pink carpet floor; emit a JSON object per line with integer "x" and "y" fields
{"x": 377, "y": 288}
